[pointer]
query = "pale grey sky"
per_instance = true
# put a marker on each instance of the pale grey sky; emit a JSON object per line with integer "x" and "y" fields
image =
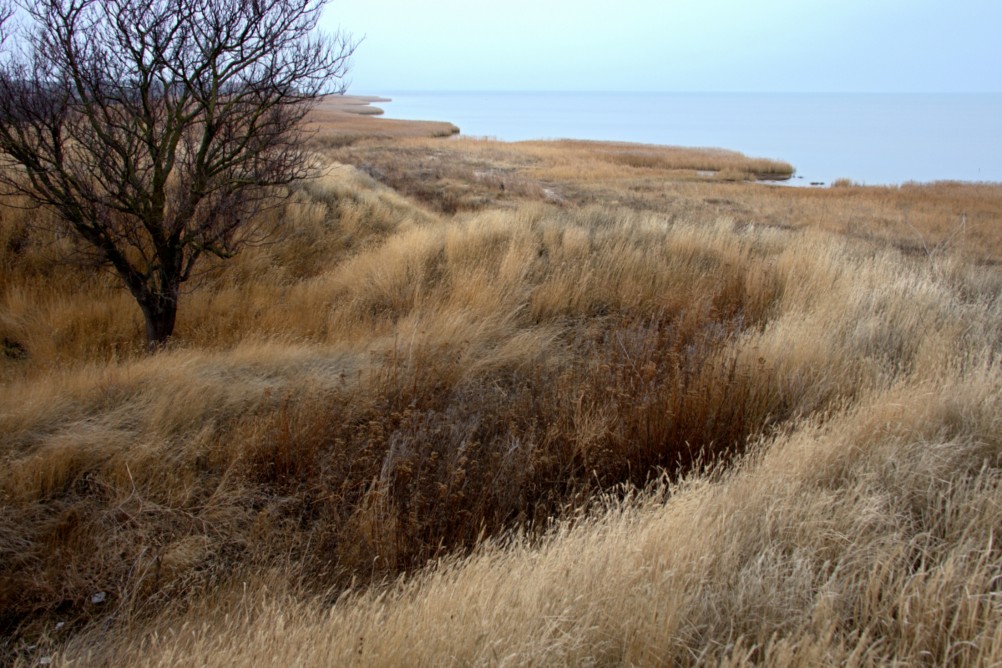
{"x": 675, "y": 45}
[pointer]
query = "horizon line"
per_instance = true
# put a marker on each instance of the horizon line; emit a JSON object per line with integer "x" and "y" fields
{"x": 555, "y": 91}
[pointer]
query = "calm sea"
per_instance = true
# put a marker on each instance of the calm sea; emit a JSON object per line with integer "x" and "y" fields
{"x": 869, "y": 138}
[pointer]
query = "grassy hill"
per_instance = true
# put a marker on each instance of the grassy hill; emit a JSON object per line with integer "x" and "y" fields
{"x": 540, "y": 403}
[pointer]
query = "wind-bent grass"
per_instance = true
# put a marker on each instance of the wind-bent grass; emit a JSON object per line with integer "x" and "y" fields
{"x": 386, "y": 387}
{"x": 836, "y": 544}
{"x": 927, "y": 220}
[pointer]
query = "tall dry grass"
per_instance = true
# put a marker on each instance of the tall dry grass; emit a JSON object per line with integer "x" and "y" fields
{"x": 568, "y": 156}
{"x": 384, "y": 387}
{"x": 925, "y": 220}
{"x": 868, "y": 538}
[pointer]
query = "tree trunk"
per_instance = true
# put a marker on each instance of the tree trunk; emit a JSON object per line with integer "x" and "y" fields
{"x": 160, "y": 312}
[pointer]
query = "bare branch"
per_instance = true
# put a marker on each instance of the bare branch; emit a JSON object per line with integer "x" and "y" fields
{"x": 155, "y": 129}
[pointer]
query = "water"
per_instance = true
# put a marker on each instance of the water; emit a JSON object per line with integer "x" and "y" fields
{"x": 869, "y": 138}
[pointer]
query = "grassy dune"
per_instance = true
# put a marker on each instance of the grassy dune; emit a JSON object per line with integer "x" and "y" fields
{"x": 544, "y": 403}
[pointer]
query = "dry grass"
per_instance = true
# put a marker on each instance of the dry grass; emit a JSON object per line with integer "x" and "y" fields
{"x": 694, "y": 185}
{"x": 386, "y": 387}
{"x": 570, "y": 155}
{"x": 837, "y": 544}
{"x": 473, "y": 174}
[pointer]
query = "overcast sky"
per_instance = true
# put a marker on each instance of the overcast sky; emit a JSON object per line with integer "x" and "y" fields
{"x": 674, "y": 45}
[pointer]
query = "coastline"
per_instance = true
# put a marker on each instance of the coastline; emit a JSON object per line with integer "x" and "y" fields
{"x": 363, "y": 105}
{"x": 339, "y": 118}
{"x": 879, "y": 140}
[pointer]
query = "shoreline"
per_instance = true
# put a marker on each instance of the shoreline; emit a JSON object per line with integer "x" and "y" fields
{"x": 352, "y": 116}
{"x": 870, "y": 140}
{"x": 356, "y": 115}
{"x": 341, "y": 118}
{"x": 363, "y": 105}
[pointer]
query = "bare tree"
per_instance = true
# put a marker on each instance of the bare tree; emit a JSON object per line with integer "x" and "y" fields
{"x": 155, "y": 129}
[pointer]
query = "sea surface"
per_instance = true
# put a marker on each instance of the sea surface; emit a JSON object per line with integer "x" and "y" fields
{"x": 877, "y": 139}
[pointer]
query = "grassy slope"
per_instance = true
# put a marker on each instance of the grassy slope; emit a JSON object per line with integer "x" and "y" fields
{"x": 389, "y": 384}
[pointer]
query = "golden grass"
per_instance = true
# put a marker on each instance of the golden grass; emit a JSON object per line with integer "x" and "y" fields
{"x": 834, "y": 545}
{"x": 570, "y": 154}
{"x": 510, "y": 407}
{"x": 695, "y": 185}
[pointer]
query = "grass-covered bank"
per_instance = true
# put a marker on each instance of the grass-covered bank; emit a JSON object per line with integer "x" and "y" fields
{"x": 497, "y": 343}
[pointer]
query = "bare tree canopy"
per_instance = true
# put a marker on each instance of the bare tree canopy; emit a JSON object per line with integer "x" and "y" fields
{"x": 154, "y": 129}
